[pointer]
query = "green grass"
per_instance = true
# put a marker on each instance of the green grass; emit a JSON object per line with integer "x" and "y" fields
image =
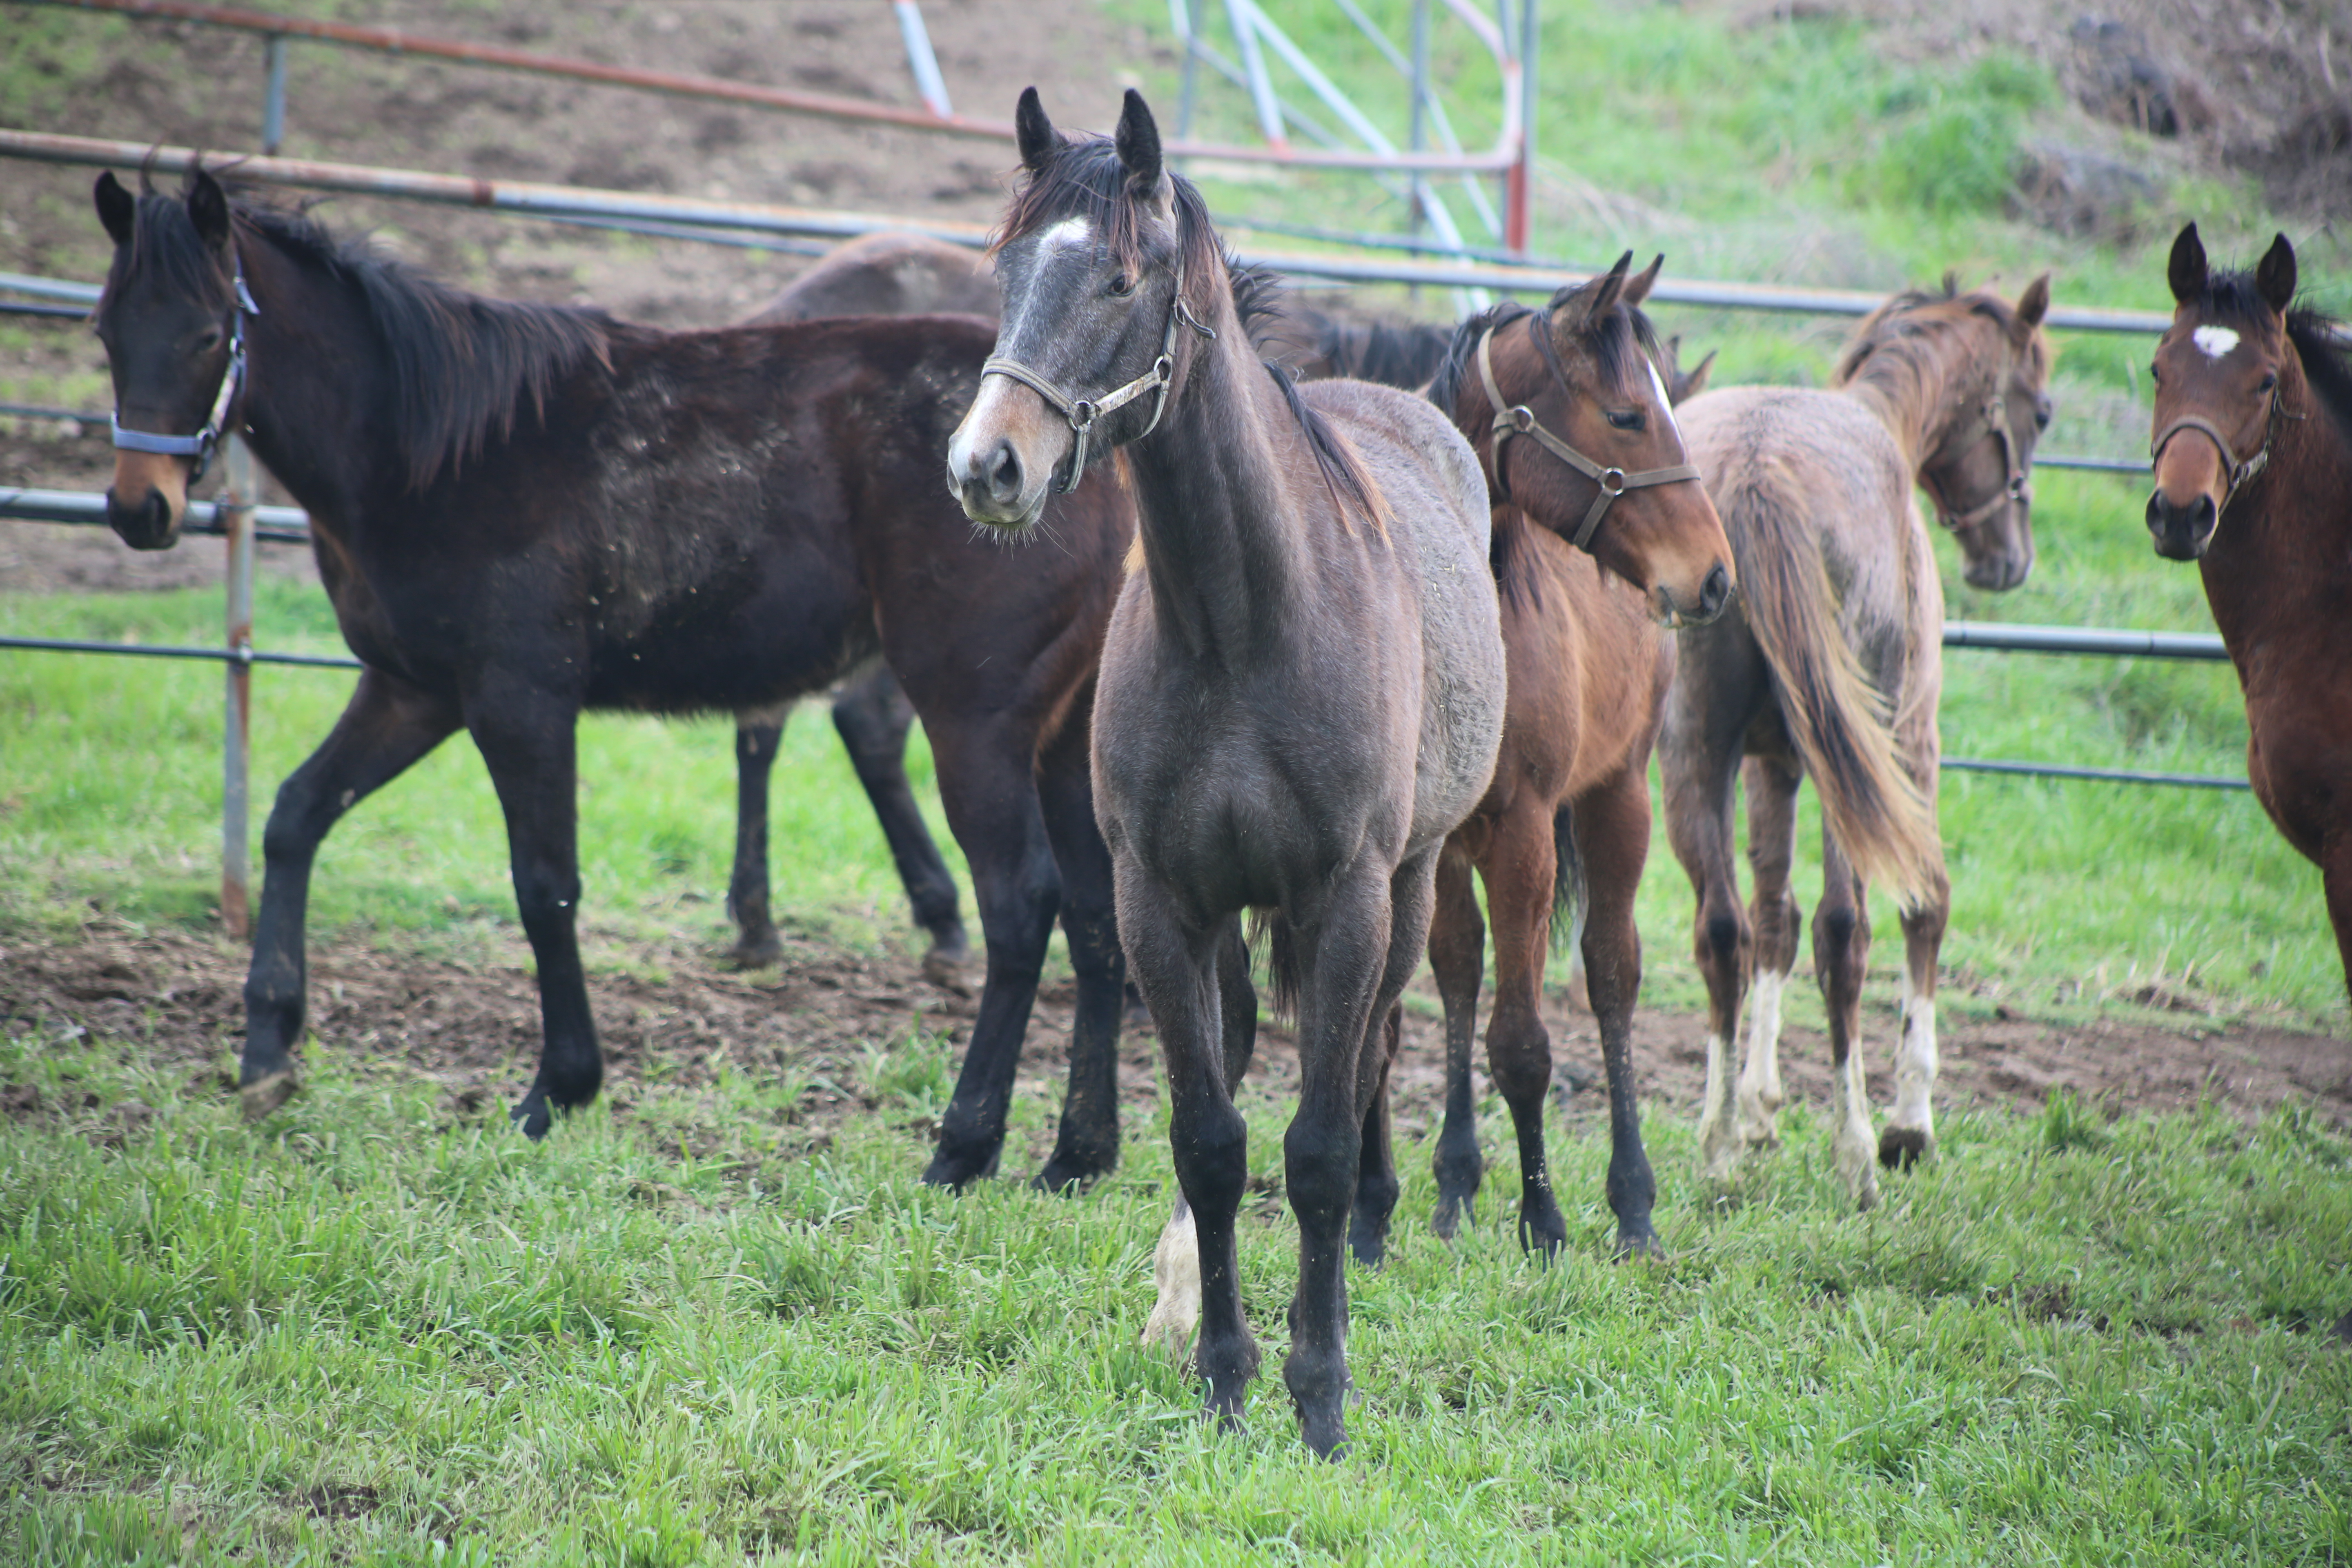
{"x": 369, "y": 1333}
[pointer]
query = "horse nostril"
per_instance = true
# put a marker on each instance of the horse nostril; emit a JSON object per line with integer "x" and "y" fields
{"x": 1713, "y": 592}
{"x": 1004, "y": 473}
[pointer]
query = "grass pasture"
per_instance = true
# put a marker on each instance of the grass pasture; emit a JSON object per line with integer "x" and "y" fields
{"x": 710, "y": 1322}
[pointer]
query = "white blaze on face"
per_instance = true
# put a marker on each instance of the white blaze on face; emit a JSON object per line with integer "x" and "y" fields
{"x": 1073, "y": 230}
{"x": 1657, "y": 384}
{"x": 2216, "y": 341}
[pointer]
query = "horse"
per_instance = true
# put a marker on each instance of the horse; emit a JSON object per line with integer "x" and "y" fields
{"x": 1565, "y": 824}
{"x": 1301, "y": 691}
{"x": 883, "y": 274}
{"x": 1317, "y": 345}
{"x": 2252, "y": 452}
{"x": 1831, "y": 668}
{"x": 523, "y": 511}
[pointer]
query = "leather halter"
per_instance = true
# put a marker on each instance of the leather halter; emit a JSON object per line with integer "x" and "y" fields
{"x": 1082, "y": 412}
{"x": 2019, "y": 486}
{"x": 2239, "y": 473}
{"x": 200, "y": 445}
{"x": 1519, "y": 419}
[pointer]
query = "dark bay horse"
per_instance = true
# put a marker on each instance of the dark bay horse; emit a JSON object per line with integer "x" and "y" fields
{"x": 2253, "y": 482}
{"x": 1301, "y": 692}
{"x": 1831, "y": 668}
{"x": 523, "y": 511}
{"x": 1566, "y": 822}
{"x": 885, "y": 274}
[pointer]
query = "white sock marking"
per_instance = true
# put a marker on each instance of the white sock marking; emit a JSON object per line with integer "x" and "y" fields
{"x": 1176, "y": 1270}
{"x": 1915, "y": 1069}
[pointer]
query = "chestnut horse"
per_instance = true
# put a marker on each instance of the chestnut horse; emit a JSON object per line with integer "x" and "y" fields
{"x": 1566, "y": 822}
{"x": 1300, "y": 697}
{"x": 884, "y": 274}
{"x": 1831, "y": 668}
{"x": 2253, "y": 482}
{"x": 523, "y": 511}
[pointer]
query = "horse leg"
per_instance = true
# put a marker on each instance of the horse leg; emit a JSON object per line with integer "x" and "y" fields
{"x": 1612, "y": 827}
{"x": 1840, "y": 953}
{"x": 387, "y": 725}
{"x": 1771, "y": 785}
{"x": 527, "y": 738}
{"x": 1910, "y": 1134}
{"x": 1699, "y": 826}
{"x": 1197, "y": 1265}
{"x": 759, "y": 731}
{"x": 872, "y": 716}
{"x": 1521, "y": 863}
{"x": 1377, "y": 1187}
{"x": 1087, "y": 1144}
{"x": 990, "y": 795}
{"x": 1345, "y": 959}
{"x": 2335, "y": 877}
{"x": 1457, "y": 953}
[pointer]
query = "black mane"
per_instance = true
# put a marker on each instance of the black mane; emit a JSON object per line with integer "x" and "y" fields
{"x": 462, "y": 366}
{"x": 1083, "y": 177}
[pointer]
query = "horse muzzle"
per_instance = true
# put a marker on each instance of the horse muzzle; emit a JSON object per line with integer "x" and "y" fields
{"x": 2000, "y": 572}
{"x": 1714, "y": 597}
{"x": 153, "y": 523}
{"x": 2182, "y": 530}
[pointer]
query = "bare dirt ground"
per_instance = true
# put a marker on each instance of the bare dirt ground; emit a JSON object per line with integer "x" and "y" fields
{"x": 474, "y": 1029}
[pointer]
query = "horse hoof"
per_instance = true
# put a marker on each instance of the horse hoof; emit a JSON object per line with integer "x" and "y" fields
{"x": 1370, "y": 1245}
{"x": 532, "y": 1115}
{"x": 1543, "y": 1236}
{"x": 1642, "y": 1243}
{"x": 1448, "y": 1219}
{"x": 950, "y": 970}
{"x": 956, "y": 1171}
{"x": 264, "y": 1095}
{"x": 1900, "y": 1148}
{"x": 1067, "y": 1178}
{"x": 749, "y": 954}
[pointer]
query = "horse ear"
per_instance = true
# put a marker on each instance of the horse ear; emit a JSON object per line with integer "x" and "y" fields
{"x": 1035, "y": 132}
{"x": 208, "y": 210}
{"x": 2186, "y": 272}
{"x": 1137, "y": 141}
{"x": 1637, "y": 289}
{"x": 1569, "y": 314}
{"x": 117, "y": 208}
{"x": 2032, "y": 306}
{"x": 2275, "y": 275}
{"x": 1686, "y": 387}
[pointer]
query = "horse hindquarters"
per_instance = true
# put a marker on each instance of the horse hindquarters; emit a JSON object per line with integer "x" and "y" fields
{"x": 386, "y": 726}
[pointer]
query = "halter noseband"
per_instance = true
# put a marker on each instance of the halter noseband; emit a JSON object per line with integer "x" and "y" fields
{"x": 200, "y": 445}
{"x": 1082, "y": 412}
{"x": 1519, "y": 419}
{"x": 2018, "y": 488}
{"x": 2239, "y": 473}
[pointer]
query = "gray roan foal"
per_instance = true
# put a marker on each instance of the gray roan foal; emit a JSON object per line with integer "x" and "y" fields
{"x": 1301, "y": 691}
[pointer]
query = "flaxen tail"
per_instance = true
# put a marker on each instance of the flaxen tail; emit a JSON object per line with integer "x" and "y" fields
{"x": 1841, "y": 724}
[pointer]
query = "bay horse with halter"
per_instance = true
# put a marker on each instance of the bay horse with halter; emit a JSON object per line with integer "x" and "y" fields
{"x": 1565, "y": 824}
{"x": 1301, "y": 691}
{"x": 883, "y": 274}
{"x": 1831, "y": 668}
{"x": 523, "y": 511}
{"x": 2253, "y": 482}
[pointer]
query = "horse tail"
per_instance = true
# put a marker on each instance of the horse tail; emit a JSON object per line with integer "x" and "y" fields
{"x": 1843, "y": 725}
{"x": 1568, "y": 905}
{"x": 1283, "y": 971}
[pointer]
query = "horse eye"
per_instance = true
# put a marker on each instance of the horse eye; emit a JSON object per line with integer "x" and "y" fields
{"x": 1122, "y": 285}
{"x": 1625, "y": 419}
{"x": 2154, "y": 375}
{"x": 2268, "y": 382}
{"x": 209, "y": 342}
{"x": 2042, "y": 419}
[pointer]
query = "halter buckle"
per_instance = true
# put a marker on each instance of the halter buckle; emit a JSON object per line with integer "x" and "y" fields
{"x": 1612, "y": 481}
{"x": 1522, "y": 418}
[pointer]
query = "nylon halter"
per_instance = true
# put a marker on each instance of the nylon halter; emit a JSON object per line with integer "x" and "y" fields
{"x": 2017, "y": 487}
{"x": 1082, "y": 412}
{"x": 2239, "y": 473}
{"x": 1519, "y": 419}
{"x": 200, "y": 445}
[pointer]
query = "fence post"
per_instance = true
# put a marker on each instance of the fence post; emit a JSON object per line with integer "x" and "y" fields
{"x": 236, "y": 525}
{"x": 273, "y": 105}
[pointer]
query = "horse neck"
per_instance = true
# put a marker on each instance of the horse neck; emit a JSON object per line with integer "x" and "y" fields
{"x": 313, "y": 356}
{"x": 1920, "y": 387}
{"x": 1218, "y": 532}
{"x": 2285, "y": 540}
